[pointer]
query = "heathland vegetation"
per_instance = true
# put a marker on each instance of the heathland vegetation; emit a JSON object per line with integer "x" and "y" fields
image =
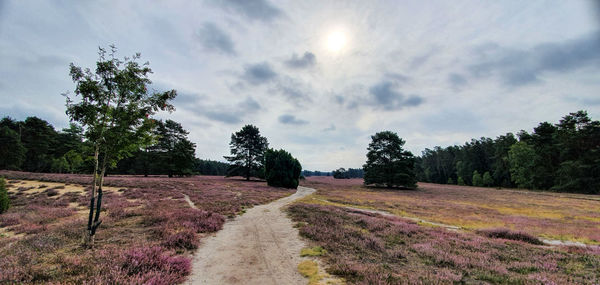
{"x": 449, "y": 234}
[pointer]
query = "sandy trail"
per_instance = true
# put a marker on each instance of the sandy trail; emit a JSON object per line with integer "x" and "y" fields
{"x": 258, "y": 247}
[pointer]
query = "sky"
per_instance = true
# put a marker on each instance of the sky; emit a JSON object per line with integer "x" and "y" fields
{"x": 318, "y": 78}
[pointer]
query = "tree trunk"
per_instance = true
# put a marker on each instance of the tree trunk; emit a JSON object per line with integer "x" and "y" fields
{"x": 89, "y": 239}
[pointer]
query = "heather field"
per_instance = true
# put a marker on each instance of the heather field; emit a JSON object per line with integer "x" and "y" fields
{"x": 559, "y": 216}
{"x": 497, "y": 240}
{"x": 147, "y": 236}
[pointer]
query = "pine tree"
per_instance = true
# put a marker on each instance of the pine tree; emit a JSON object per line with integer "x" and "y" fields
{"x": 247, "y": 153}
{"x": 388, "y": 164}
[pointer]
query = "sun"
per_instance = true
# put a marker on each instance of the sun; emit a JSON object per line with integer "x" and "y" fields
{"x": 336, "y": 41}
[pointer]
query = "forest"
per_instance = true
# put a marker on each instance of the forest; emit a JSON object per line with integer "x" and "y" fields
{"x": 561, "y": 157}
{"x": 34, "y": 145}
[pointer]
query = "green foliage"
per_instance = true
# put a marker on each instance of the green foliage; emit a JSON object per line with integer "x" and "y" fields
{"x": 74, "y": 161}
{"x": 59, "y": 165}
{"x": 563, "y": 157}
{"x": 342, "y": 173}
{"x": 174, "y": 152}
{"x": 34, "y": 145}
{"x": 4, "y": 200}
{"x": 210, "y": 167}
{"x": 477, "y": 180}
{"x": 12, "y": 152}
{"x": 113, "y": 106}
{"x": 39, "y": 138}
{"x": 247, "y": 153}
{"x": 487, "y": 179}
{"x": 450, "y": 181}
{"x": 578, "y": 139}
{"x": 281, "y": 169}
{"x": 461, "y": 181}
{"x": 521, "y": 157}
{"x": 388, "y": 163}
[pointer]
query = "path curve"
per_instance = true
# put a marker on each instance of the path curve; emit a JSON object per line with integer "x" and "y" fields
{"x": 258, "y": 247}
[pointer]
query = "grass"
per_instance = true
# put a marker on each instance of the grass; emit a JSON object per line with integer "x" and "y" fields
{"x": 310, "y": 270}
{"x": 313, "y": 251}
{"x": 493, "y": 246}
{"x": 147, "y": 236}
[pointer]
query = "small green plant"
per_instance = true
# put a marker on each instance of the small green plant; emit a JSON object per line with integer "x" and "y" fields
{"x": 4, "y": 200}
{"x": 313, "y": 251}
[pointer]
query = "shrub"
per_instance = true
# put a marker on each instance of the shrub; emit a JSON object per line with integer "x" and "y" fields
{"x": 145, "y": 260}
{"x": 508, "y": 234}
{"x": 281, "y": 169}
{"x": 185, "y": 239}
{"x": 4, "y": 200}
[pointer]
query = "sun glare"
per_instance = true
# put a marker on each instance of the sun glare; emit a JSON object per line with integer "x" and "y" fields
{"x": 336, "y": 41}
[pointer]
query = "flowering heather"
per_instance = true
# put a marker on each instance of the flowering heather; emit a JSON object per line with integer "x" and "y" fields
{"x": 147, "y": 233}
{"x": 564, "y": 216}
{"x": 374, "y": 249}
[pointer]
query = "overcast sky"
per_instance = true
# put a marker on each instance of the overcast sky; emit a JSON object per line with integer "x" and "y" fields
{"x": 319, "y": 77}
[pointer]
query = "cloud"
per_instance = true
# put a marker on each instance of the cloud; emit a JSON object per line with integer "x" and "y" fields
{"x": 291, "y": 120}
{"x": 457, "y": 121}
{"x": 420, "y": 60}
{"x": 258, "y": 73}
{"x": 307, "y": 60}
{"x": 397, "y": 77}
{"x": 261, "y": 10}
{"x": 456, "y": 80}
{"x": 518, "y": 67}
{"x": 385, "y": 96}
{"x": 331, "y": 128}
{"x": 293, "y": 90}
{"x": 215, "y": 39}
{"x": 224, "y": 113}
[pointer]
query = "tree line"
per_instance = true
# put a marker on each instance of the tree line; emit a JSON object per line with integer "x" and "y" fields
{"x": 561, "y": 157}
{"x": 342, "y": 173}
{"x": 34, "y": 145}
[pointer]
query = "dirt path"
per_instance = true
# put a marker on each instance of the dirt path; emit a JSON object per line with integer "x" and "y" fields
{"x": 187, "y": 199}
{"x": 258, "y": 247}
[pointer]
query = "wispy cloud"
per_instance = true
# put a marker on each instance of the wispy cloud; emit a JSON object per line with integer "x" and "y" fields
{"x": 215, "y": 39}
{"x": 261, "y": 10}
{"x": 291, "y": 120}
{"x": 258, "y": 73}
{"x": 517, "y": 67}
{"x": 305, "y": 61}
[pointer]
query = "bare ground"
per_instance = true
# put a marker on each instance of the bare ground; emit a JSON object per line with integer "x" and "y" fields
{"x": 258, "y": 247}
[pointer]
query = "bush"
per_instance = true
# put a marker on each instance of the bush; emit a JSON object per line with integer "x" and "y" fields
{"x": 281, "y": 169}
{"x": 508, "y": 234}
{"x": 4, "y": 201}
